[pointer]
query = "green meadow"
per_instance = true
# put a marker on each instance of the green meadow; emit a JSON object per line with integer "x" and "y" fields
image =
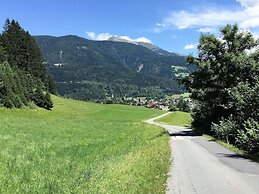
{"x": 177, "y": 118}
{"x": 184, "y": 95}
{"x": 81, "y": 147}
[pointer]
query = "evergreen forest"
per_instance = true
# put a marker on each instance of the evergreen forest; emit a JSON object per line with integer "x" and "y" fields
{"x": 24, "y": 80}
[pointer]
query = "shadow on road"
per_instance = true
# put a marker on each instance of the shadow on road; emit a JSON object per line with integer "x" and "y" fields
{"x": 184, "y": 134}
{"x": 230, "y": 155}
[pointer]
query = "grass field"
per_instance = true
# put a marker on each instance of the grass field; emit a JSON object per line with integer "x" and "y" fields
{"x": 182, "y": 74}
{"x": 184, "y": 95}
{"x": 81, "y": 147}
{"x": 177, "y": 118}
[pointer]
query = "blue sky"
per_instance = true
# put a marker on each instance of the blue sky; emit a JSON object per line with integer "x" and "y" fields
{"x": 170, "y": 24}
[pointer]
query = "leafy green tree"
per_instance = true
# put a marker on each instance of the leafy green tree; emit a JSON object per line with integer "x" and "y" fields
{"x": 224, "y": 129}
{"x": 222, "y": 64}
{"x": 182, "y": 105}
{"x": 248, "y": 138}
{"x": 226, "y": 86}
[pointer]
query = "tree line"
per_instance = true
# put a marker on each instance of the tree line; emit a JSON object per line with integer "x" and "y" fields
{"x": 226, "y": 87}
{"x": 24, "y": 79}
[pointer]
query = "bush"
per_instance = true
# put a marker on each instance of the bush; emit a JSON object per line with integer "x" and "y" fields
{"x": 248, "y": 138}
{"x": 225, "y": 129}
{"x": 182, "y": 105}
{"x": 109, "y": 101}
{"x": 173, "y": 108}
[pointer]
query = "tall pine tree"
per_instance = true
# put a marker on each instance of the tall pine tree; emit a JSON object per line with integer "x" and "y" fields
{"x": 23, "y": 52}
{"x": 22, "y": 71}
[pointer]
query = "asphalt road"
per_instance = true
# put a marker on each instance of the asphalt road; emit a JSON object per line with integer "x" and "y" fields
{"x": 205, "y": 167}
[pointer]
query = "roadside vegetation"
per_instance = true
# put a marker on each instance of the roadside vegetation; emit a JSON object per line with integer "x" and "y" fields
{"x": 177, "y": 118}
{"x": 225, "y": 88}
{"x": 233, "y": 148}
{"x": 81, "y": 147}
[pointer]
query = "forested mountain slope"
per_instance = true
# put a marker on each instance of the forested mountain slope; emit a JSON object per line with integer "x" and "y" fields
{"x": 97, "y": 70}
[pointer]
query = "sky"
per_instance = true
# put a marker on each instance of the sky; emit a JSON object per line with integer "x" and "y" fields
{"x": 172, "y": 25}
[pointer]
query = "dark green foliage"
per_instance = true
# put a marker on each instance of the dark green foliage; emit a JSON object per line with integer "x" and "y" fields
{"x": 23, "y": 52}
{"x": 248, "y": 137}
{"x": 182, "y": 105}
{"x": 3, "y": 56}
{"x": 51, "y": 85}
{"x": 225, "y": 129}
{"x": 226, "y": 86}
{"x": 94, "y": 70}
{"x": 173, "y": 108}
{"x": 101, "y": 91}
{"x": 21, "y": 69}
{"x": 41, "y": 99}
{"x": 12, "y": 93}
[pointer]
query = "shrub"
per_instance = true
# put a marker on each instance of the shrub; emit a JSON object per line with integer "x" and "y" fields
{"x": 248, "y": 138}
{"x": 173, "y": 108}
{"x": 225, "y": 129}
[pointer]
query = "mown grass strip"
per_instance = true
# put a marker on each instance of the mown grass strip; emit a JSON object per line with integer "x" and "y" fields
{"x": 176, "y": 118}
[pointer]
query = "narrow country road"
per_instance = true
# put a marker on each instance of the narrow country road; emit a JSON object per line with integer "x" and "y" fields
{"x": 205, "y": 167}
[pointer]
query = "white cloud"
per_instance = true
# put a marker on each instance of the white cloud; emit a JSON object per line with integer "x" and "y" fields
{"x": 103, "y": 36}
{"x": 106, "y": 36}
{"x": 160, "y": 25}
{"x": 91, "y": 35}
{"x": 143, "y": 39}
{"x": 190, "y": 46}
{"x": 247, "y": 3}
{"x": 206, "y": 29}
{"x": 247, "y": 17}
{"x": 212, "y": 17}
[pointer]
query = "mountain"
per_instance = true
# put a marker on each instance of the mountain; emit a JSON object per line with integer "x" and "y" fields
{"x": 148, "y": 45}
{"x": 97, "y": 70}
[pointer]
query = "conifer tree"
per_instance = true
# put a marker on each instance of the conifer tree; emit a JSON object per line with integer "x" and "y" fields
{"x": 23, "y": 52}
{"x": 23, "y": 76}
{"x": 48, "y": 104}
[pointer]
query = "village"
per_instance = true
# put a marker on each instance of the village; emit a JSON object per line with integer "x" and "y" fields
{"x": 173, "y": 103}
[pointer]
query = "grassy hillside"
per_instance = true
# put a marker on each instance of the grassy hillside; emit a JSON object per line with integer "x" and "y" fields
{"x": 177, "y": 118}
{"x": 82, "y": 147}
